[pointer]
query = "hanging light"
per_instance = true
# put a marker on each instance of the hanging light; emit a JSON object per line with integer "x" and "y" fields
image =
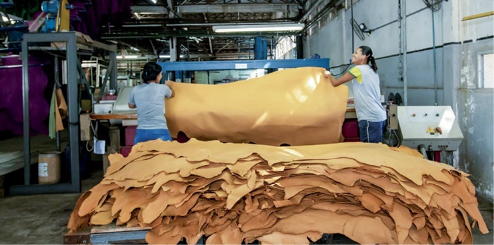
{"x": 259, "y": 28}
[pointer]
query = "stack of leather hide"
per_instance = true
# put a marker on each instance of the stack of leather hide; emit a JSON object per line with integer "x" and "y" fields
{"x": 282, "y": 195}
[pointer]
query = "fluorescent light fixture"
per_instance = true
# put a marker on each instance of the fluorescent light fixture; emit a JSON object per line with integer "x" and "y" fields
{"x": 154, "y": 1}
{"x": 134, "y": 48}
{"x": 127, "y": 57}
{"x": 167, "y": 56}
{"x": 258, "y": 28}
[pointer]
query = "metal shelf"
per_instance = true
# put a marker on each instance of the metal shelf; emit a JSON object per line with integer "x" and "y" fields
{"x": 72, "y": 39}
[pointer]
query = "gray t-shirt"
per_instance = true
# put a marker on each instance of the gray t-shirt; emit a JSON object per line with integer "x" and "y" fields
{"x": 150, "y": 101}
{"x": 366, "y": 94}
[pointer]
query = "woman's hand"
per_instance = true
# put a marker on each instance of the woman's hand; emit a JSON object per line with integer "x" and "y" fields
{"x": 170, "y": 85}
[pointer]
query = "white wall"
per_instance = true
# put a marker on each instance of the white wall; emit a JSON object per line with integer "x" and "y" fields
{"x": 458, "y": 44}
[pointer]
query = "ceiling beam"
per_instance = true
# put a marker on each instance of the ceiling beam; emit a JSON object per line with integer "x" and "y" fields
{"x": 218, "y": 8}
{"x": 237, "y": 8}
{"x": 149, "y": 9}
{"x": 115, "y": 36}
{"x": 270, "y": 22}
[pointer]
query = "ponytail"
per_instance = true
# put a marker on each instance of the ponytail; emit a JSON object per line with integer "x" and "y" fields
{"x": 370, "y": 58}
{"x": 372, "y": 61}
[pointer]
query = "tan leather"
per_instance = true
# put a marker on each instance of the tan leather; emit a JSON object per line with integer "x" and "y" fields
{"x": 282, "y": 195}
{"x": 61, "y": 109}
{"x": 294, "y": 106}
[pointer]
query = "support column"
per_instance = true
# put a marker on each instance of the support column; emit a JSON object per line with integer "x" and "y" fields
{"x": 173, "y": 58}
{"x": 260, "y": 48}
{"x": 57, "y": 85}
{"x": 300, "y": 47}
{"x": 25, "y": 112}
{"x": 113, "y": 74}
{"x": 73, "y": 105}
{"x": 173, "y": 49}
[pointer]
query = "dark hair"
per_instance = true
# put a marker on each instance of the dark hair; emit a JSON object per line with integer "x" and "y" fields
{"x": 150, "y": 71}
{"x": 370, "y": 59}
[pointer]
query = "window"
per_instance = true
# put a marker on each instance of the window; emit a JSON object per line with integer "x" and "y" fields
{"x": 486, "y": 70}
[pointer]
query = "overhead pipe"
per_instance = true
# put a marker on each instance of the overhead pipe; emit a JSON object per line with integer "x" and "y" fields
{"x": 476, "y": 16}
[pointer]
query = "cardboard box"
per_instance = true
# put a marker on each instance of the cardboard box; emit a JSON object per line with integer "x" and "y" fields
{"x": 86, "y": 105}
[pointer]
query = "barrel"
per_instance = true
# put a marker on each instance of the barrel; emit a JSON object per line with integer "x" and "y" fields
{"x": 49, "y": 168}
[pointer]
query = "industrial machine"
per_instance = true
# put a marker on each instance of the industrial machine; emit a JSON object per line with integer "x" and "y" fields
{"x": 57, "y": 18}
{"x": 432, "y": 129}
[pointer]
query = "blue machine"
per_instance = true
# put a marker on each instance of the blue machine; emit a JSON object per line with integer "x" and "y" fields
{"x": 175, "y": 70}
{"x": 180, "y": 67}
{"x": 242, "y": 64}
{"x": 50, "y": 7}
{"x": 50, "y": 24}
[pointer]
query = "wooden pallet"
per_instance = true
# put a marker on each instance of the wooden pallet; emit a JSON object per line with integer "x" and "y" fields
{"x": 112, "y": 234}
{"x": 109, "y": 234}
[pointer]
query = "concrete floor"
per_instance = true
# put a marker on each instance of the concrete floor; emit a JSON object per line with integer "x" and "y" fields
{"x": 38, "y": 218}
{"x": 41, "y": 219}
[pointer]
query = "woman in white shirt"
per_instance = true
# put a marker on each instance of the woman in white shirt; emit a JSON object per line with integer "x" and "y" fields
{"x": 371, "y": 114}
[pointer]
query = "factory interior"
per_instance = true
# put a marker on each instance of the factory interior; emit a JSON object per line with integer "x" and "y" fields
{"x": 247, "y": 122}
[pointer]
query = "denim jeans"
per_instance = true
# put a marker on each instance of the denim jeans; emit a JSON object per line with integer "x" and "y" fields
{"x": 371, "y": 132}
{"x": 143, "y": 135}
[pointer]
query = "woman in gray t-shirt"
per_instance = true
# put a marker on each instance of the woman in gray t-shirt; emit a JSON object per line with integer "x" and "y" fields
{"x": 149, "y": 99}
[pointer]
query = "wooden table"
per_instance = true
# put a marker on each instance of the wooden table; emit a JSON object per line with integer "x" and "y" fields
{"x": 350, "y": 113}
{"x": 113, "y": 116}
